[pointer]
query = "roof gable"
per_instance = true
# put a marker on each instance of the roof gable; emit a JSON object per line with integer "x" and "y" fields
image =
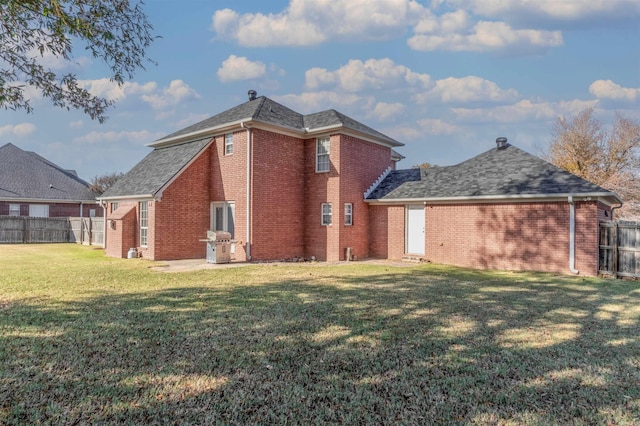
{"x": 153, "y": 172}
{"x": 27, "y": 175}
{"x": 497, "y": 173}
{"x": 263, "y": 110}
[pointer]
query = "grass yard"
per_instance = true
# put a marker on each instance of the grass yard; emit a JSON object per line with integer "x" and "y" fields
{"x": 86, "y": 339}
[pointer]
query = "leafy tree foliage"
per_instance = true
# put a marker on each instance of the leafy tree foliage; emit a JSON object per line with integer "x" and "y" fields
{"x": 99, "y": 184}
{"x": 422, "y": 166}
{"x": 607, "y": 157}
{"x": 117, "y": 32}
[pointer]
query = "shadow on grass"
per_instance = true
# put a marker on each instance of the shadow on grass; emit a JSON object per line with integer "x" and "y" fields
{"x": 411, "y": 346}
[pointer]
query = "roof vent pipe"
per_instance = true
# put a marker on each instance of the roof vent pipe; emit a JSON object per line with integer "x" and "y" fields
{"x": 502, "y": 143}
{"x": 252, "y": 95}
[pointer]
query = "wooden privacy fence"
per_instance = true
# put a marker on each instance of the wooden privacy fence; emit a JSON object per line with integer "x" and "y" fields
{"x": 620, "y": 249}
{"x": 23, "y": 229}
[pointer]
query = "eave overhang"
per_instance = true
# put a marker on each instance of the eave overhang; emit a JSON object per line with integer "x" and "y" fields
{"x": 608, "y": 198}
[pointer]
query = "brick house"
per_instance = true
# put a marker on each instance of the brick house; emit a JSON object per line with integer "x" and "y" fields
{"x": 31, "y": 185}
{"x": 322, "y": 185}
{"x": 503, "y": 209}
{"x": 286, "y": 185}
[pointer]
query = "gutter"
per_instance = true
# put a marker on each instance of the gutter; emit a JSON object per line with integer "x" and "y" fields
{"x": 500, "y": 198}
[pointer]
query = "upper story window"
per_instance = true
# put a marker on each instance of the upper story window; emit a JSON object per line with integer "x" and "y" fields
{"x": 114, "y": 206}
{"x": 322, "y": 154}
{"x": 14, "y": 209}
{"x": 228, "y": 144}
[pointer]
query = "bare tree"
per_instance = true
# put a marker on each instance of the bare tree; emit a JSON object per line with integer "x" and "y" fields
{"x": 115, "y": 31}
{"x": 607, "y": 157}
{"x": 99, "y": 184}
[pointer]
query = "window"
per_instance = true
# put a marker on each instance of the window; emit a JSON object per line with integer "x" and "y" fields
{"x": 114, "y": 206}
{"x": 348, "y": 214}
{"x": 228, "y": 144}
{"x": 322, "y": 154}
{"x": 326, "y": 214}
{"x": 92, "y": 212}
{"x": 14, "y": 209}
{"x": 144, "y": 223}
{"x": 38, "y": 210}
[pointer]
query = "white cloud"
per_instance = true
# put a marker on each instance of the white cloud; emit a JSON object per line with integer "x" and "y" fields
{"x": 607, "y": 89}
{"x": 436, "y": 126}
{"x": 178, "y": 91}
{"x": 310, "y": 22}
{"x": 236, "y": 68}
{"x": 384, "y": 111}
{"x": 20, "y": 130}
{"x": 76, "y": 124}
{"x": 557, "y": 10}
{"x": 371, "y": 74}
{"x": 141, "y": 136}
{"x": 110, "y": 90}
{"x": 522, "y": 111}
{"x": 467, "y": 89}
{"x": 484, "y": 36}
{"x": 310, "y": 102}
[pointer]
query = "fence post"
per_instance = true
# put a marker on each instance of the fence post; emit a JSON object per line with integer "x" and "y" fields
{"x": 24, "y": 230}
{"x": 90, "y": 229}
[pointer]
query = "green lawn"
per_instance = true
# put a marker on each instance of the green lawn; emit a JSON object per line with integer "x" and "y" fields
{"x": 86, "y": 339}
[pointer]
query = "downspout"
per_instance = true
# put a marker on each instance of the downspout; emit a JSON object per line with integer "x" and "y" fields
{"x": 613, "y": 208}
{"x": 248, "y": 245}
{"x": 104, "y": 224}
{"x": 80, "y": 208}
{"x": 572, "y": 236}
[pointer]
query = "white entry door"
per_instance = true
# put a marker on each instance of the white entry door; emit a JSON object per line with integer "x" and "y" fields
{"x": 223, "y": 218}
{"x": 415, "y": 229}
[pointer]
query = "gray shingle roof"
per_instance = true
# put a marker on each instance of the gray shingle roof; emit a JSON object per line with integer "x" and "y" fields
{"x": 150, "y": 175}
{"x": 268, "y": 111}
{"x": 495, "y": 173}
{"x": 27, "y": 175}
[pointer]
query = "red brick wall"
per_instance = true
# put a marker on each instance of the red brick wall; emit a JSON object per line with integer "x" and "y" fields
{"x": 121, "y": 230}
{"x": 181, "y": 217}
{"x": 512, "y": 236}
{"x": 277, "y": 196}
{"x": 387, "y": 231}
{"x": 355, "y": 165}
{"x": 361, "y": 164}
{"x": 319, "y": 240}
{"x": 229, "y": 183}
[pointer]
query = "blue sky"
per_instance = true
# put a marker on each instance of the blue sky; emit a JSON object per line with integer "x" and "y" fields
{"x": 444, "y": 77}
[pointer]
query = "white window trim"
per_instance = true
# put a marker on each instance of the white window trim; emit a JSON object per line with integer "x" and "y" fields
{"x": 228, "y": 144}
{"x": 326, "y": 214}
{"x": 348, "y": 214}
{"x": 144, "y": 227}
{"x": 320, "y": 143}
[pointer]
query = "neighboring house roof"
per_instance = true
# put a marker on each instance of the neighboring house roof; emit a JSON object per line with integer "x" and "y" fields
{"x": 151, "y": 175}
{"x": 28, "y": 176}
{"x": 263, "y": 110}
{"x": 495, "y": 174}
